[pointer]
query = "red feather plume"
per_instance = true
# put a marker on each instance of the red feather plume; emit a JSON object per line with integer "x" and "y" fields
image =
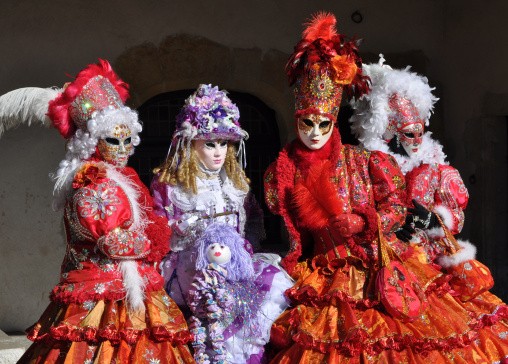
{"x": 322, "y": 25}
{"x": 320, "y": 43}
{"x": 315, "y": 197}
{"x": 58, "y": 110}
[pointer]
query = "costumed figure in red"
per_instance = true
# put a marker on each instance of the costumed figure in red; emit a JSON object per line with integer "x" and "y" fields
{"x": 392, "y": 118}
{"x": 355, "y": 300}
{"x": 110, "y": 305}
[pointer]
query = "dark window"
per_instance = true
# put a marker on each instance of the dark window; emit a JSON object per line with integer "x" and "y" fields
{"x": 158, "y": 118}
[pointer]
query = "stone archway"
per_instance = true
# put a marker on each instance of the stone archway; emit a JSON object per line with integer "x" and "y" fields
{"x": 182, "y": 62}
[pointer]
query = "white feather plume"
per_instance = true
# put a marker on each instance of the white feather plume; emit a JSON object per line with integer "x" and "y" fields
{"x": 372, "y": 112}
{"x": 25, "y": 105}
{"x": 134, "y": 285}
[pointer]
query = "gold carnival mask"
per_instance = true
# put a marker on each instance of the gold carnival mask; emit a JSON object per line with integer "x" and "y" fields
{"x": 117, "y": 147}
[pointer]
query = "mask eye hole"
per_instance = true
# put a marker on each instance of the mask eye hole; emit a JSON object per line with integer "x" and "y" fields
{"x": 324, "y": 124}
{"x": 210, "y": 144}
{"x": 223, "y": 143}
{"x": 212, "y": 247}
{"x": 308, "y": 122}
{"x": 127, "y": 141}
{"x": 409, "y": 135}
{"x": 113, "y": 141}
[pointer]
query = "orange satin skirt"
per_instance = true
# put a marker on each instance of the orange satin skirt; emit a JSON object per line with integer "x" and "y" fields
{"x": 106, "y": 332}
{"x": 335, "y": 318}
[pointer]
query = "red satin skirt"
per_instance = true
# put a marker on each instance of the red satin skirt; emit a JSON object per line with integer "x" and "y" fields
{"x": 106, "y": 332}
{"x": 336, "y": 318}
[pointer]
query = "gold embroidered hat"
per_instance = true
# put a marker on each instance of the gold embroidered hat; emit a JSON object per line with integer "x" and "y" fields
{"x": 322, "y": 67}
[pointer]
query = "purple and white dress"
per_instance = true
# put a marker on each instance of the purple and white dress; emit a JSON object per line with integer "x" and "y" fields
{"x": 218, "y": 200}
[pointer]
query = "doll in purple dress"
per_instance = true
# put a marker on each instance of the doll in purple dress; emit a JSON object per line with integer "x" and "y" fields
{"x": 228, "y": 302}
{"x": 202, "y": 182}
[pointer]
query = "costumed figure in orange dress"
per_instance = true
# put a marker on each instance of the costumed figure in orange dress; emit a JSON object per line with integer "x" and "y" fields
{"x": 392, "y": 118}
{"x": 355, "y": 300}
{"x": 110, "y": 305}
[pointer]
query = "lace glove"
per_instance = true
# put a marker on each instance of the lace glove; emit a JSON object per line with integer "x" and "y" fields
{"x": 347, "y": 225}
{"x": 407, "y": 230}
{"x": 421, "y": 217}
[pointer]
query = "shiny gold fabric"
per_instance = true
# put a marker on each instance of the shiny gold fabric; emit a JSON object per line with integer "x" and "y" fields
{"x": 329, "y": 323}
{"x": 106, "y": 332}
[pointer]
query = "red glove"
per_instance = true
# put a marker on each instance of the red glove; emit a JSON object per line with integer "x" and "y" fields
{"x": 347, "y": 225}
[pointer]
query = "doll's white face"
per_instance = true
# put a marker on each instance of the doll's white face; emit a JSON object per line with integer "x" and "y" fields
{"x": 117, "y": 147}
{"x": 410, "y": 138}
{"x": 314, "y": 130}
{"x": 211, "y": 153}
{"x": 218, "y": 254}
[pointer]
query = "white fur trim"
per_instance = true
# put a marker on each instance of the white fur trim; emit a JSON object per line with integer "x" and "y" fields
{"x": 436, "y": 232}
{"x": 140, "y": 220}
{"x": 430, "y": 152}
{"x": 134, "y": 285}
{"x": 446, "y": 215}
{"x": 467, "y": 252}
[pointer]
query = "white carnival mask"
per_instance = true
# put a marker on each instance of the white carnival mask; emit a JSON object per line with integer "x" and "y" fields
{"x": 117, "y": 147}
{"x": 410, "y": 138}
{"x": 211, "y": 153}
{"x": 405, "y": 123}
{"x": 314, "y": 130}
{"x": 218, "y": 253}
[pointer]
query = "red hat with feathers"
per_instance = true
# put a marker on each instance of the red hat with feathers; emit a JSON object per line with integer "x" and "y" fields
{"x": 95, "y": 88}
{"x": 322, "y": 65}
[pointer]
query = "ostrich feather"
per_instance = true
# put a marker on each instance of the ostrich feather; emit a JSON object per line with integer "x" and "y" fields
{"x": 25, "y": 105}
{"x": 316, "y": 198}
{"x": 322, "y": 25}
{"x": 134, "y": 285}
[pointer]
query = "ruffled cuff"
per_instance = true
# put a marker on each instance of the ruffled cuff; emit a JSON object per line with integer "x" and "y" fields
{"x": 159, "y": 234}
{"x": 124, "y": 244}
{"x": 446, "y": 216}
{"x": 467, "y": 252}
{"x": 369, "y": 215}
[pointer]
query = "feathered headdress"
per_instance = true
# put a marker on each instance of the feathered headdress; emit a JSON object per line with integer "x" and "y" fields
{"x": 88, "y": 109}
{"x": 322, "y": 65}
{"x": 377, "y": 114}
{"x": 95, "y": 88}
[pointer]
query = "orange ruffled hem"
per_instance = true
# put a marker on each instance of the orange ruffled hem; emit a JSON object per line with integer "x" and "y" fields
{"x": 108, "y": 328}
{"x": 330, "y": 318}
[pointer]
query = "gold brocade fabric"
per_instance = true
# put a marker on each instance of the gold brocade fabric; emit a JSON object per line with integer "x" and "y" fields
{"x": 331, "y": 322}
{"x": 106, "y": 332}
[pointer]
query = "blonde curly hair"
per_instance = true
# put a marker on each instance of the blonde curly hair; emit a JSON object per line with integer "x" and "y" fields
{"x": 185, "y": 172}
